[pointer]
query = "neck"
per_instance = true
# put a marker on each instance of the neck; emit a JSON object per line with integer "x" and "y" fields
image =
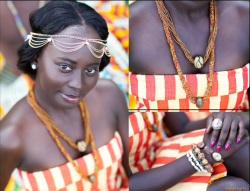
{"x": 191, "y": 10}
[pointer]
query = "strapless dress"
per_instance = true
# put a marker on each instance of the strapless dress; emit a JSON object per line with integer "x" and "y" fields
{"x": 158, "y": 92}
{"x": 111, "y": 175}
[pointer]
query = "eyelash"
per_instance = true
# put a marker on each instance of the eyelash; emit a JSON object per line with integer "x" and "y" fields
{"x": 62, "y": 65}
{"x": 93, "y": 70}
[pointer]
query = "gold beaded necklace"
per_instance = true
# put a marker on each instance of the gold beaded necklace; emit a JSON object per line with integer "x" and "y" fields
{"x": 168, "y": 26}
{"x": 154, "y": 127}
{"x": 198, "y": 61}
{"x": 51, "y": 126}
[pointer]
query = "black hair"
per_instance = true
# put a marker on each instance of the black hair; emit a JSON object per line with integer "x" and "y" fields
{"x": 53, "y": 18}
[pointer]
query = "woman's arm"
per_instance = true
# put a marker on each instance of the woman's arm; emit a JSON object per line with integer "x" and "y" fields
{"x": 10, "y": 153}
{"x": 178, "y": 123}
{"x": 166, "y": 176}
{"x": 121, "y": 112}
{"x": 162, "y": 178}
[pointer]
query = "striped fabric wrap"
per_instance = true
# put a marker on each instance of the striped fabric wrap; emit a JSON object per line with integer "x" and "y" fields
{"x": 166, "y": 92}
{"x": 111, "y": 175}
{"x": 148, "y": 150}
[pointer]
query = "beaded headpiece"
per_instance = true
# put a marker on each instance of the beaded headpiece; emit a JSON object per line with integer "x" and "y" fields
{"x": 37, "y": 40}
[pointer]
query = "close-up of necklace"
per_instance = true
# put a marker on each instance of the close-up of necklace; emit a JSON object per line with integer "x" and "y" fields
{"x": 197, "y": 61}
{"x": 53, "y": 129}
{"x": 154, "y": 126}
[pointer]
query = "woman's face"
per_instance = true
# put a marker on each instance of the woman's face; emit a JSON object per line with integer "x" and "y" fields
{"x": 65, "y": 78}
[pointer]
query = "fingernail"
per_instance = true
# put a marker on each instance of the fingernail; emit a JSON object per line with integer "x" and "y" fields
{"x": 238, "y": 140}
{"x": 206, "y": 131}
{"x": 227, "y": 147}
{"x": 213, "y": 143}
{"x": 218, "y": 148}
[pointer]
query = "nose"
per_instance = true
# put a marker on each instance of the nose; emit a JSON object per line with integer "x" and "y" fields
{"x": 76, "y": 81}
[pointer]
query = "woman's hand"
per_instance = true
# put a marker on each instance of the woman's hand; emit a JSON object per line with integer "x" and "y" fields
{"x": 231, "y": 125}
{"x": 224, "y": 153}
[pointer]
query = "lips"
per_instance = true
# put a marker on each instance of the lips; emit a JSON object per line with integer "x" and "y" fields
{"x": 71, "y": 98}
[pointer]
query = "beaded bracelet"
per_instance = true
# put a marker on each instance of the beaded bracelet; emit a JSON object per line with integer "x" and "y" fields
{"x": 193, "y": 156}
{"x": 196, "y": 151}
{"x": 200, "y": 162}
{"x": 192, "y": 162}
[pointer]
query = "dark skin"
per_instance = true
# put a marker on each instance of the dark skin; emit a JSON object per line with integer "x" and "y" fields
{"x": 10, "y": 38}
{"x": 32, "y": 143}
{"x": 158, "y": 179}
{"x": 150, "y": 52}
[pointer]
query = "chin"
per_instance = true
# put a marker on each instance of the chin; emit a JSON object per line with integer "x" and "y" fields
{"x": 69, "y": 105}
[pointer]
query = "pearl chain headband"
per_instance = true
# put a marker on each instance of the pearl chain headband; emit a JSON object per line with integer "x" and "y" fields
{"x": 37, "y": 40}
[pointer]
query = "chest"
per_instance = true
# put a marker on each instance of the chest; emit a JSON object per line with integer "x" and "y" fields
{"x": 150, "y": 51}
{"x": 41, "y": 151}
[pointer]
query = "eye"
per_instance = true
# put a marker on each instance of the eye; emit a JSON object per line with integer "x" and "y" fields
{"x": 65, "y": 67}
{"x": 91, "y": 70}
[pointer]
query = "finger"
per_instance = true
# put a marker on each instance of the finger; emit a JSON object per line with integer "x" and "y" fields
{"x": 209, "y": 124}
{"x": 224, "y": 132}
{"x": 244, "y": 141}
{"x": 241, "y": 131}
{"x": 232, "y": 134}
{"x": 246, "y": 132}
{"x": 216, "y": 133}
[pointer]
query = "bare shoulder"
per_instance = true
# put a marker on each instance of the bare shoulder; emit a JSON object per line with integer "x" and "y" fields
{"x": 14, "y": 122}
{"x": 106, "y": 87}
{"x": 243, "y": 6}
{"x": 236, "y": 13}
{"x": 237, "y": 9}
{"x": 243, "y": 12}
{"x": 145, "y": 28}
{"x": 107, "y": 94}
{"x": 11, "y": 129}
{"x": 18, "y": 113}
{"x": 137, "y": 8}
{"x": 139, "y": 11}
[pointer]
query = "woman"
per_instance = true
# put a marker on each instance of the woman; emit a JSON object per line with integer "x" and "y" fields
{"x": 165, "y": 38}
{"x": 64, "y": 55}
{"x": 158, "y": 163}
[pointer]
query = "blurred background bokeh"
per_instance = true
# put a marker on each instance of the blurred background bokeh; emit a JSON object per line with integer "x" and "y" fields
{"x": 14, "y": 28}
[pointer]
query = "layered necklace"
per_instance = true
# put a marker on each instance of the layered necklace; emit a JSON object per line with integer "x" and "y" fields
{"x": 198, "y": 61}
{"x": 54, "y": 131}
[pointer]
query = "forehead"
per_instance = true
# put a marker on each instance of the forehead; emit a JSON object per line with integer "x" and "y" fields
{"x": 80, "y": 31}
{"x": 82, "y": 54}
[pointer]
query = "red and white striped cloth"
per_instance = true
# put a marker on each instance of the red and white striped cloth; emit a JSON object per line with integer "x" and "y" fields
{"x": 111, "y": 175}
{"x": 166, "y": 92}
{"x": 148, "y": 150}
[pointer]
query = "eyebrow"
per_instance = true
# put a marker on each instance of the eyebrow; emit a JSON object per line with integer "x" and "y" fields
{"x": 94, "y": 64}
{"x": 73, "y": 62}
{"x": 66, "y": 59}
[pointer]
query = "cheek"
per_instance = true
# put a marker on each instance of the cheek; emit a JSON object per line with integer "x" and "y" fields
{"x": 91, "y": 82}
{"x": 50, "y": 77}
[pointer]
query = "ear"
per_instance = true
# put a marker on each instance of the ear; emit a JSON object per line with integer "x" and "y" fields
{"x": 35, "y": 59}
